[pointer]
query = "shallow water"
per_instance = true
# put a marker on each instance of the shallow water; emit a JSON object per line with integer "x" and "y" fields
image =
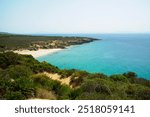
{"x": 116, "y": 53}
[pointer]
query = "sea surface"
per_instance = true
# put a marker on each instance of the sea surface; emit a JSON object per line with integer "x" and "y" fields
{"x": 114, "y": 54}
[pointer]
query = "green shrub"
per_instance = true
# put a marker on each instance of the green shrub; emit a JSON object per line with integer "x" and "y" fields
{"x": 80, "y": 74}
{"x": 76, "y": 81}
{"x": 119, "y": 77}
{"x": 60, "y": 90}
{"x": 14, "y": 96}
{"x": 9, "y": 58}
{"x": 64, "y": 92}
{"x": 144, "y": 94}
{"x": 66, "y": 73}
{"x": 20, "y": 79}
{"x": 97, "y": 75}
{"x": 138, "y": 92}
{"x": 40, "y": 79}
{"x": 75, "y": 93}
{"x": 18, "y": 71}
{"x": 44, "y": 67}
{"x": 96, "y": 86}
{"x": 130, "y": 75}
{"x": 16, "y": 79}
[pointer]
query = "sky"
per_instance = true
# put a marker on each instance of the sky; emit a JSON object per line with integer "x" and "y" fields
{"x": 75, "y": 16}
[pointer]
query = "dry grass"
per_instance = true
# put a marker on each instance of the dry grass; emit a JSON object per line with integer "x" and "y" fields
{"x": 45, "y": 94}
{"x": 57, "y": 77}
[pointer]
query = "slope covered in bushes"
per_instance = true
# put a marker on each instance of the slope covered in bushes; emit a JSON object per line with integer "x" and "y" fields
{"x": 21, "y": 77}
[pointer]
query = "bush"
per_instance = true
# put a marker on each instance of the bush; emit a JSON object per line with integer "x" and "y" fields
{"x": 64, "y": 92}
{"x": 130, "y": 75}
{"x": 80, "y": 74}
{"x": 20, "y": 79}
{"x": 9, "y": 58}
{"x": 66, "y": 73}
{"x": 44, "y": 67}
{"x": 14, "y": 96}
{"x": 138, "y": 92}
{"x": 25, "y": 86}
{"x": 45, "y": 82}
{"x": 16, "y": 79}
{"x": 97, "y": 75}
{"x": 97, "y": 86}
{"x": 40, "y": 79}
{"x": 144, "y": 94}
{"x": 19, "y": 71}
{"x": 76, "y": 81}
{"x": 75, "y": 93}
{"x": 119, "y": 77}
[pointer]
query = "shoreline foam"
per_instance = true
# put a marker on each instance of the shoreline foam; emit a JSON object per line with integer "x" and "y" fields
{"x": 38, "y": 53}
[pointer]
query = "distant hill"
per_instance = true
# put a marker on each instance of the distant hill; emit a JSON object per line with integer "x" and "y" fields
{"x": 14, "y": 41}
{"x": 4, "y": 33}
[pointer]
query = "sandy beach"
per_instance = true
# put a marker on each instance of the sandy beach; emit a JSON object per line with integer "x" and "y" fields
{"x": 38, "y": 53}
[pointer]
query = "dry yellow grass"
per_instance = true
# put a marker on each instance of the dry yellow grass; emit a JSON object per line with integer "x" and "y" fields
{"x": 45, "y": 94}
{"x": 57, "y": 77}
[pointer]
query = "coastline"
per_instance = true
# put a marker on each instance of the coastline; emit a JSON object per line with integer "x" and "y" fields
{"x": 38, "y": 46}
{"x": 41, "y": 52}
{"x": 38, "y": 53}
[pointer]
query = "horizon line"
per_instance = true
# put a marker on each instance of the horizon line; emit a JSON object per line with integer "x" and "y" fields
{"x": 2, "y": 32}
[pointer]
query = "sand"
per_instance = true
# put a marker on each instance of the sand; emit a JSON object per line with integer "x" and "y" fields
{"x": 57, "y": 77}
{"x": 38, "y": 53}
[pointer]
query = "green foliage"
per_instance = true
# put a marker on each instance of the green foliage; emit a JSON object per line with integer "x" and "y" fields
{"x": 130, "y": 75}
{"x": 66, "y": 73}
{"x": 8, "y": 59}
{"x": 43, "y": 67}
{"x": 64, "y": 92}
{"x": 97, "y": 75}
{"x": 11, "y": 86}
{"x": 18, "y": 71}
{"x": 95, "y": 87}
{"x": 40, "y": 79}
{"x": 119, "y": 77}
{"x": 80, "y": 74}
{"x": 78, "y": 77}
{"x": 14, "y": 96}
{"x": 14, "y": 42}
{"x": 45, "y": 82}
{"x": 75, "y": 81}
{"x": 138, "y": 92}
{"x": 21, "y": 78}
{"x": 75, "y": 93}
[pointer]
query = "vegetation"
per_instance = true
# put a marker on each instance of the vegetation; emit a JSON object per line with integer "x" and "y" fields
{"x": 21, "y": 77}
{"x": 18, "y": 42}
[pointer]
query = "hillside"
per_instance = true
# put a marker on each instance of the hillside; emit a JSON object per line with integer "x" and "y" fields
{"x": 19, "y": 42}
{"x": 23, "y": 77}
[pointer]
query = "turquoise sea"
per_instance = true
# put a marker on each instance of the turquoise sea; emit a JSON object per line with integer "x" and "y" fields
{"x": 115, "y": 53}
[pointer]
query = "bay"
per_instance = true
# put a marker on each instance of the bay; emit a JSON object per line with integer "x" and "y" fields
{"x": 114, "y": 54}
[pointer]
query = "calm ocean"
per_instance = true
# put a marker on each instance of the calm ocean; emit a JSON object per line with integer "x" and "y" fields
{"x": 115, "y": 53}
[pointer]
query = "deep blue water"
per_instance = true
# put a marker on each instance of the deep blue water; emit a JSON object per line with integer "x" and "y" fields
{"x": 115, "y": 53}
